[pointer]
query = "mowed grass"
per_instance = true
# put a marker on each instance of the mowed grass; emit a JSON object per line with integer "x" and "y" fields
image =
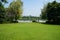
{"x": 29, "y": 31}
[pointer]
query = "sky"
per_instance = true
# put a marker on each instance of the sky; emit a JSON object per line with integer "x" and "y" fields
{"x": 32, "y": 7}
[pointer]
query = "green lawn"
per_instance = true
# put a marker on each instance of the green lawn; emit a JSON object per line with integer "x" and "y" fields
{"x": 29, "y": 31}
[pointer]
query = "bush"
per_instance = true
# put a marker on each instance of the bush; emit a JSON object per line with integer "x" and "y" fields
{"x": 34, "y": 21}
{"x": 14, "y": 22}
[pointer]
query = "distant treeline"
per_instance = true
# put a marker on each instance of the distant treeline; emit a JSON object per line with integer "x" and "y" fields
{"x": 29, "y": 18}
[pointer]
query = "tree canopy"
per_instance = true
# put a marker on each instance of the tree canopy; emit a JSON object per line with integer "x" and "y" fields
{"x": 13, "y": 12}
{"x": 52, "y": 12}
{"x": 2, "y": 11}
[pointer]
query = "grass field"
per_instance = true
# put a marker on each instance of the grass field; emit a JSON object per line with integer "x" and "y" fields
{"x": 29, "y": 31}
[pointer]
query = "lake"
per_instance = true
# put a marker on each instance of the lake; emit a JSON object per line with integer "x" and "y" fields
{"x": 31, "y": 21}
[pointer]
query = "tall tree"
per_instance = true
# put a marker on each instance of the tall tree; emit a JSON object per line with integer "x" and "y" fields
{"x": 52, "y": 12}
{"x": 2, "y": 11}
{"x": 16, "y": 7}
{"x": 43, "y": 11}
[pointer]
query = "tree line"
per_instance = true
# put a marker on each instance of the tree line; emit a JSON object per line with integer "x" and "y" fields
{"x": 12, "y": 13}
{"x": 51, "y": 12}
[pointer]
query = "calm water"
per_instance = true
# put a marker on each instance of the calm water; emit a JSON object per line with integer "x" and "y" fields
{"x": 31, "y": 21}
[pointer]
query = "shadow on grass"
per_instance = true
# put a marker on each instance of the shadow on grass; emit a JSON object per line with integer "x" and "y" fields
{"x": 51, "y": 23}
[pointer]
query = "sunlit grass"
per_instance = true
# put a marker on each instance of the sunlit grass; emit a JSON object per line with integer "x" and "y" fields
{"x": 29, "y": 31}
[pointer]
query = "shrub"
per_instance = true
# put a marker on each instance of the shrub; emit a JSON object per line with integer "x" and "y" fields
{"x": 34, "y": 21}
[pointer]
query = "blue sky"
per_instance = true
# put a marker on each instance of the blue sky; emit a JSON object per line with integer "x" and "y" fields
{"x": 32, "y": 7}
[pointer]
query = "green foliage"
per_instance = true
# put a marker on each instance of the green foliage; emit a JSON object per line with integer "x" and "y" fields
{"x": 12, "y": 13}
{"x": 2, "y": 11}
{"x": 16, "y": 6}
{"x": 43, "y": 11}
{"x": 52, "y": 12}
